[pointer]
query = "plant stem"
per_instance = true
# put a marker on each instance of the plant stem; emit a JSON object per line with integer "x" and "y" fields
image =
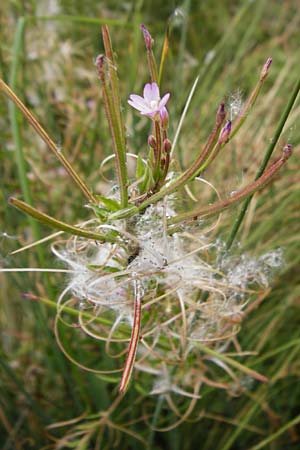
{"x": 251, "y": 100}
{"x": 124, "y": 330}
{"x": 115, "y": 126}
{"x": 164, "y": 54}
{"x": 231, "y": 362}
{"x": 57, "y": 224}
{"x": 48, "y": 141}
{"x": 15, "y": 125}
{"x": 193, "y": 170}
{"x": 157, "y": 411}
{"x": 134, "y": 339}
{"x": 268, "y": 154}
{"x": 237, "y": 197}
{"x": 150, "y": 56}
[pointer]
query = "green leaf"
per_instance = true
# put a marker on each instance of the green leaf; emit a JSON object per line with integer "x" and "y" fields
{"x": 111, "y": 204}
{"x": 140, "y": 167}
{"x": 101, "y": 213}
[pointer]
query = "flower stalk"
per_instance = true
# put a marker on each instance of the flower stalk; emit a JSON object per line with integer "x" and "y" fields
{"x": 194, "y": 169}
{"x": 150, "y": 56}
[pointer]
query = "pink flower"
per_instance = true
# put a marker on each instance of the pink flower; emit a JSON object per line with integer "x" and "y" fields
{"x": 151, "y": 104}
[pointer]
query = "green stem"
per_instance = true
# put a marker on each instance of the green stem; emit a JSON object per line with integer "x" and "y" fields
{"x": 80, "y": 19}
{"x": 76, "y": 313}
{"x": 116, "y": 103}
{"x": 268, "y": 154}
{"x": 275, "y": 435}
{"x": 15, "y": 125}
{"x": 157, "y": 412}
{"x": 114, "y": 126}
{"x": 57, "y": 224}
{"x": 48, "y": 141}
{"x": 164, "y": 54}
{"x": 113, "y": 77}
{"x": 231, "y": 362}
{"x": 15, "y": 120}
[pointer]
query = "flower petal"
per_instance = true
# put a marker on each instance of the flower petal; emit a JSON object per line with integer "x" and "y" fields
{"x": 164, "y": 101}
{"x": 151, "y": 92}
{"x": 137, "y": 99}
{"x": 149, "y": 113}
{"x": 140, "y": 108}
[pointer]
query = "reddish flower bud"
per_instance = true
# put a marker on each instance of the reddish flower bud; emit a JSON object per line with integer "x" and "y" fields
{"x": 287, "y": 151}
{"x": 99, "y": 63}
{"x": 151, "y": 141}
{"x": 164, "y": 118}
{"x": 147, "y": 36}
{"x": 225, "y": 132}
{"x": 265, "y": 69}
{"x": 167, "y": 145}
{"x": 221, "y": 113}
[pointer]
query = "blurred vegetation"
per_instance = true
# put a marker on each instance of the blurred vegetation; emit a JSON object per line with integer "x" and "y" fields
{"x": 48, "y": 58}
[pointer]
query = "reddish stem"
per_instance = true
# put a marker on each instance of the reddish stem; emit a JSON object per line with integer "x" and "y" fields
{"x": 134, "y": 340}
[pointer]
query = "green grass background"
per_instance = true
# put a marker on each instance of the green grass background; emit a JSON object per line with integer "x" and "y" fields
{"x": 47, "y": 53}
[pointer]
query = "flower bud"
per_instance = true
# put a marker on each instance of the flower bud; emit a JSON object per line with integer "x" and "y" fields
{"x": 147, "y": 36}
{"x": 151, "y": 141}
{"x": 287, "y": 151}
{"x": 167, "y": 145}
{"x": 164, "y": 118}
{"x": 225, "y": 132}
{"x": 265, "y": 69}
{"x": 99, "y": 63}
{"x": 221, "y": 113}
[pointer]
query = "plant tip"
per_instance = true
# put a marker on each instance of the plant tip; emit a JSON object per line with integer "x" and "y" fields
{"x": 225, "y": 132}
{"x": 266, "y": 67}
{"x": 287, "y": 151}
{"x": 147, "y": 36}
{"x": 221, "y": 113}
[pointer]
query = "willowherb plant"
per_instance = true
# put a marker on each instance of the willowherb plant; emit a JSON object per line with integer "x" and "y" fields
{"x": 146, "y": 278}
